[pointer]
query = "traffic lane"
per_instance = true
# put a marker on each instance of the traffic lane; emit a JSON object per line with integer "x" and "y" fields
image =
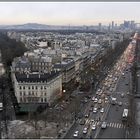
{"x": 114, "y": 116}
{"x": 113, "y": 133}
{"x": 70, "y": 133}
{"x": 90, "y": 131}
{"x": 100, "y": 117}
{"x": 93, "y": 116}
{"x": 115, "y": 113}
{"x": 87, "y": 109}
{"x": 88, "y": 120}
{"x": 80, "y": 127}
{"x": 121, "y": 86}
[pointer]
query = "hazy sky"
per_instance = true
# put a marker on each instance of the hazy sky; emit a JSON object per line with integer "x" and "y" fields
{"x": 65, "y": 13}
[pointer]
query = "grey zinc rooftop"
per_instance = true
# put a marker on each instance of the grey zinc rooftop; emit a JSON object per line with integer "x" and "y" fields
{"x": 35, "y": 77}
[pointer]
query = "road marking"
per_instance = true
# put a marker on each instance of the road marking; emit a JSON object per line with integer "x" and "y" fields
{"x": 111, "y": 124}
{"x": 118, "y": 125}
{"x": 108, "y": 124}
{"x": 99, "y": 123}
{"x": 87, "y": 121}
{"x": 115, "y": 125}
{"x": 95, "y": 122}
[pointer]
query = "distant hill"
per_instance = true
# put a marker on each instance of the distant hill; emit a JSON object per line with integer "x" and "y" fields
{"x": 36, "y": 26}
{"x": 25, "y": 26}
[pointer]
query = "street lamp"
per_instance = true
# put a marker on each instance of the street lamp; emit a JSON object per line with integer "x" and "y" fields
{"x": 64, "y": 91}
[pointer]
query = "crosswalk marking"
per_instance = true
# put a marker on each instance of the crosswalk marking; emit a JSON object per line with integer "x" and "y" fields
{"x": 109, "y": 124}
{"x": 97, "y": 123}
{"x": 115, "y": 125}
{"x": 119, "y": 125}
{"x": 87, "y": 121}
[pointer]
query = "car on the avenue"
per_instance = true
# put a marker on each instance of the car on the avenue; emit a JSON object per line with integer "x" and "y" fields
{"x": 92, "y": 120}
{"x": 93, "y": 127}
{"x": 99, "y": 101}
{"x": 113, "y": 100}
{"x": 99, "y": 93}
{"x": 123, "y": 74}
{"x": 85, "y": 130}
{"x": 94, "y": 110}
{"x": 95, "y": 100}
{"x": 106, "y": 99}
{"x": 85, "y": 100}
{"x": 87, "y": 115}
{"x": 102, "y": 110}
{"x": 99, "y": 90}
{"x": 122, "y": 95}
{"x": 104, "y": 125}
{"x": 116, "y": 79}
{"x": 1, "y": 106}
{"x": 76, "y": 134}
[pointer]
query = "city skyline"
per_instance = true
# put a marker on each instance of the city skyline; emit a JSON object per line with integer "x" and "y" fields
{"x": 65, "y": 13}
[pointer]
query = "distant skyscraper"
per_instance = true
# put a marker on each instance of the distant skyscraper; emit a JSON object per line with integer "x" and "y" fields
{"x": 100, "y": 26}
{"x": 132, "y": 24}
{"x": 126, "y": 24}
{"x": 112, "y": 24}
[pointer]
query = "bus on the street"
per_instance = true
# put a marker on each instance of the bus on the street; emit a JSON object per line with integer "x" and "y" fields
{"x": 125, "y": 115}
{"x": 1, "y": 106}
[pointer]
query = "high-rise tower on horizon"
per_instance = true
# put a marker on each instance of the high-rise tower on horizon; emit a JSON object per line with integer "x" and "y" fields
{"x": 112, "y": 24}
